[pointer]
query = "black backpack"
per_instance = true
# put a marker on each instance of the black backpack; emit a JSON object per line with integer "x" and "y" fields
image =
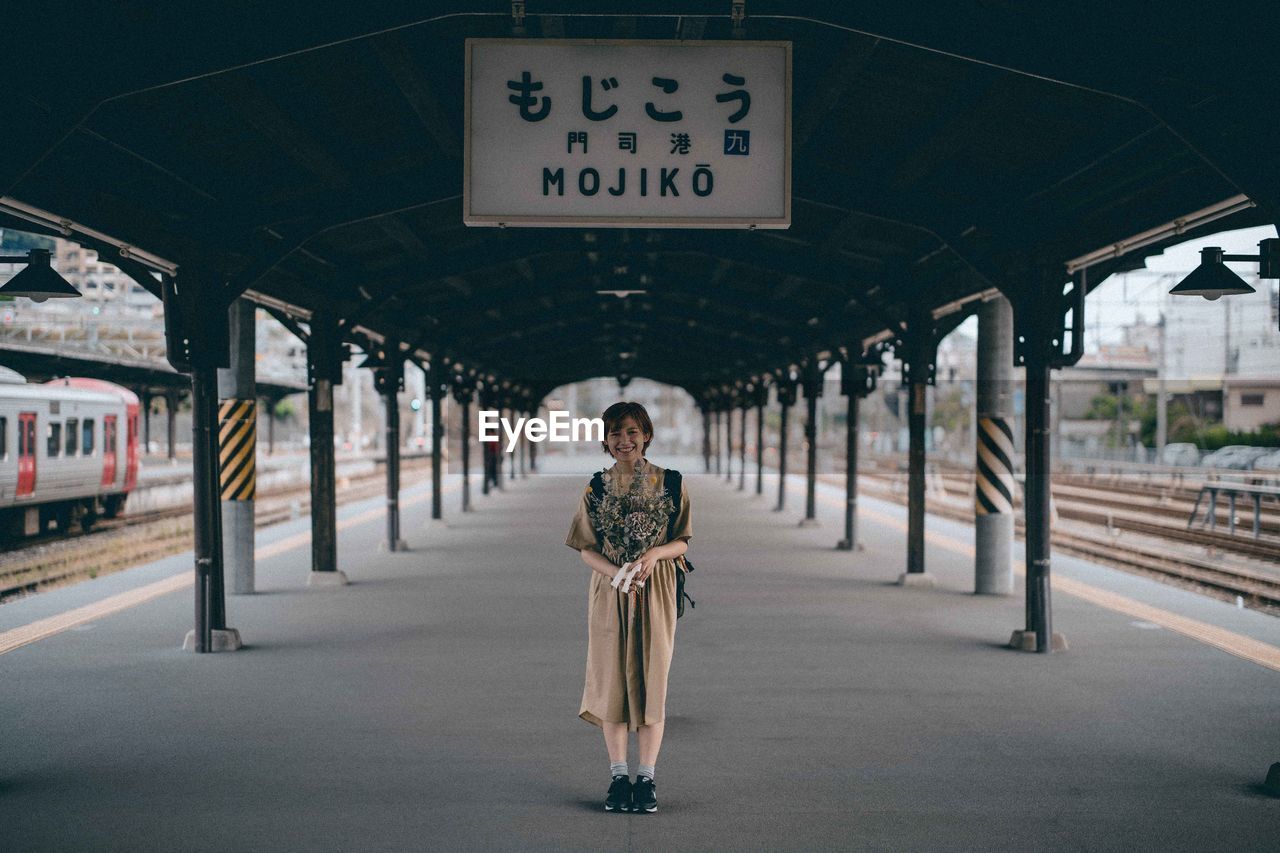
{"x": 671, "y": 482}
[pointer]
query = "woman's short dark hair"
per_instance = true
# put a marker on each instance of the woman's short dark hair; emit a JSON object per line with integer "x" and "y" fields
{"x": 618, "y": 412}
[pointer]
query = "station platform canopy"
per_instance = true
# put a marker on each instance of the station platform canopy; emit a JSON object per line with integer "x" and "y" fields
{"x": 940, "y": 150}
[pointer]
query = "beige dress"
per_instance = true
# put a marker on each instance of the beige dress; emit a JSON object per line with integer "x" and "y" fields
{"x": 630, "y": 636}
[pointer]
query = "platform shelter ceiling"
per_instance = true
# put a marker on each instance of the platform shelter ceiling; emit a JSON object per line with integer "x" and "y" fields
{"x": 313, "y": 154}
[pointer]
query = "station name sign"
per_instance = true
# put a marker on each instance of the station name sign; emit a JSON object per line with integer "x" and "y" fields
{"x": 665, "y": 134}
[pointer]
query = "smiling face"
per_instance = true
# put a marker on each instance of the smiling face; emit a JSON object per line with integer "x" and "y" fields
{"x": 626, "y": 440}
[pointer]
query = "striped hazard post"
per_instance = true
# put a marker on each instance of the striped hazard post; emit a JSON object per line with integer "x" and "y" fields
{"x": 994, "y": 474}
{"x": 237, "y": 449}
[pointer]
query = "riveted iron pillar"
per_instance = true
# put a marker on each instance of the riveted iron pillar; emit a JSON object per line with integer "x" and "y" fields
{"x": 1049, "y": 333}
{"x": 716, "y": 448}
{"x": 197, "y": 339}
{"x": 786, "y": 399}
{"x": 742, "y": 447}
{"x": 761, "y": 400}
{"x": 812, "y": 391}
{"x": 463, "y": 394}
{"x": 439, "y": 387}
{"x": 917, "y": 349}
{"x": 325, "y": 355}
{"x": 857, "y": 380}
{"x": 706, "y": 438}
{"x": 146, "y": 398}
{"x": 728, "y": 442}
{"x": 171, "y": 399}
{"x": 388, "y": 380}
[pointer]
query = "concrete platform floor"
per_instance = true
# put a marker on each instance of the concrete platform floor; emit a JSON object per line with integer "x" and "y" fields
{"x": 814, "y": 705}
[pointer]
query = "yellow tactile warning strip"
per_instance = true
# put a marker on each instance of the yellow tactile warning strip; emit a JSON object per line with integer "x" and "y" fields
{"x": 40, "y": 629}
{"x": 238, "y": 449}
{"x": 1255, "y": 651}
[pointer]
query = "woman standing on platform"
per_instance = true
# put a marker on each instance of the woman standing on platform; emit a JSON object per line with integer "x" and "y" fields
{"x": 631, "y": 527}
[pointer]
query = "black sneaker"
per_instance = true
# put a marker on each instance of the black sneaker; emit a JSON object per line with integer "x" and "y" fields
{"x": 619, "y": 796}
{"x": 643, "y": 798}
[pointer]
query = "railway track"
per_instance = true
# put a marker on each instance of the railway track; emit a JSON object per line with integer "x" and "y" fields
{"x": 1129, "y": 532}
{"x": 139, "y": 538}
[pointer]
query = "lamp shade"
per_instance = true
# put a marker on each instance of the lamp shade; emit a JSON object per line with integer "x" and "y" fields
{"x": 1211, "y": 279}
{"x": 39, "y": 281}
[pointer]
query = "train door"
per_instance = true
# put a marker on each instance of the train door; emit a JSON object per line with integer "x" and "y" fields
{"x": 131, "y": 449}
{"x": 108, "y": 451}
{"x": 26, "y": 454}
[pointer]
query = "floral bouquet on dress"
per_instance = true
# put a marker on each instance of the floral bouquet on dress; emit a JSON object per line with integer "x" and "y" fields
{"x": 630, "y": 522}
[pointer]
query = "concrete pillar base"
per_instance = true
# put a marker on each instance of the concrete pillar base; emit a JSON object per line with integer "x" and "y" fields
{"x": 1273, "y": 780}
{"x": 846, "y": 545}
{"x": 809, "y": 522}
{"x": 334, "y": 578}
{"x": 1025, "y": 641}
{"x": 923, "y": 580}
{"x": 224, "y": 640}
{"x": 401, "y": 545}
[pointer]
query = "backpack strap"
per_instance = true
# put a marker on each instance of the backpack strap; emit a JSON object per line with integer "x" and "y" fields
{"x": 672, "y": 482}
{"x": 597, "y": 494}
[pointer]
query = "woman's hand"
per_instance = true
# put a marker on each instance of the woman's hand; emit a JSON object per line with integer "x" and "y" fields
{"x": 647, "y": 561}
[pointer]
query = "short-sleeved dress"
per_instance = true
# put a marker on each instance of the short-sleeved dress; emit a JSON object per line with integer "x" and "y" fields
{"x": 630, "y": 637}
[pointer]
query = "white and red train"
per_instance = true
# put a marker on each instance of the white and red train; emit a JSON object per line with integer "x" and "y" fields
{"x": 68, "y": 453}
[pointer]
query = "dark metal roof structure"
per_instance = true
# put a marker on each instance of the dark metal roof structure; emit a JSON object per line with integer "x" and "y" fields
{"x": 313, "y": 155}
{"x": 41, "y": 363}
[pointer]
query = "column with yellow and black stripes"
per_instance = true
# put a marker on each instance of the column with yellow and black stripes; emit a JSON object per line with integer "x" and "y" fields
{"x": 993, "y": 468}
{"x": 238, "y": 449}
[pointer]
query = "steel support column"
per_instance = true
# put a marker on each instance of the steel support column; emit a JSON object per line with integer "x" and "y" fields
{"x": 1049, "y": 333}
{"x": 917, "y": 395}
{"x": 857, "y": 380}
{"x": 993, "y": 469}
{"x": 497, "y": 456}
{"x": 728, "y": 443}
{"x": 762, "y": 399}
{"x": 1036, "y": 504}
{"x": 812, "y": 391}
{"x": 706, "y": 438}
{"x": 463, "y": 395}
{"x": 325, "y": 355}
{"x": 850, "y": 540}
{"x": 786, "y": 398}
{"x": 171, "y": 411}
{"x": 742, "y": 447}
{"x": 146, "y": 422}
{"x": 917, "y": 349}
{"x": 439, "y": 387}
{"x": 196, "y": 337}
{"x": 389, "y": 380}
{"x": 717, "y": 441}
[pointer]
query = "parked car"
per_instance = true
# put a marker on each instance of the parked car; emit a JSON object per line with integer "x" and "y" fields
{"x": 1268, "y": 462}
{"x": 1238, "y": 457}
{"x": 1180, "y": 453}
{"x": 1219, "y": 457}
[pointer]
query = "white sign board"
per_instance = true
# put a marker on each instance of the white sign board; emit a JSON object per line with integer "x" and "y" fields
{"x": 628, "y": 133}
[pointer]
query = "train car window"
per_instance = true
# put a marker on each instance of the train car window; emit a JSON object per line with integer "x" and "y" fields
{"x": 109, "y": 439}
{"x": 55, "y": 440}
{"x": 73, "y": 436}
{"x": 4, "y": 438}
{"x": 86, "y": 442}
